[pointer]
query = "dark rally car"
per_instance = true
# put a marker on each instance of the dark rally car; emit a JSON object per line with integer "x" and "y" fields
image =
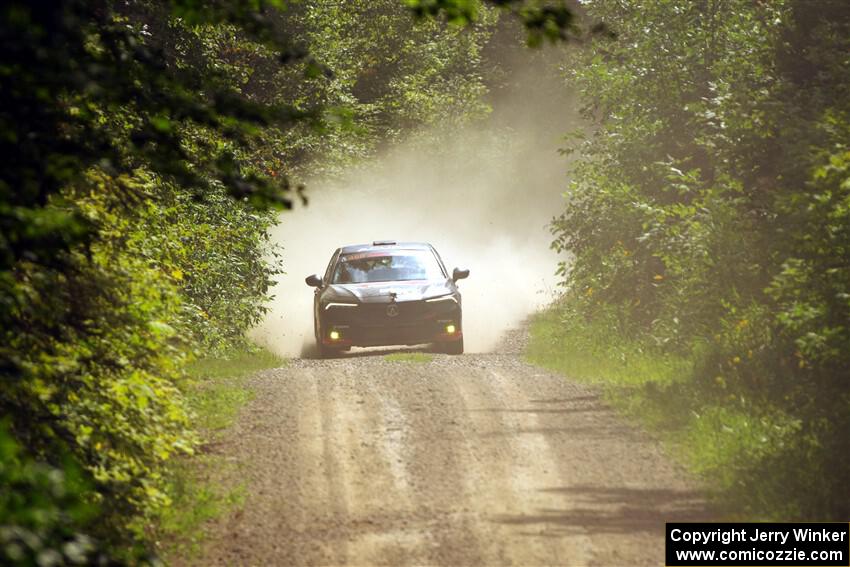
{"x": 387, "y": 293}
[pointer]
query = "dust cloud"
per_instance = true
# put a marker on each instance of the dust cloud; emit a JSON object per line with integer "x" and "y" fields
{"x": 482, "y": 195}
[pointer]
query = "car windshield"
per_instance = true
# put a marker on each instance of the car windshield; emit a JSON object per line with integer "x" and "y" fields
{"x": 387, "y": 266}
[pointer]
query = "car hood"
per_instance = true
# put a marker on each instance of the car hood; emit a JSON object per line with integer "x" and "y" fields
{"x": 381, "y": 292}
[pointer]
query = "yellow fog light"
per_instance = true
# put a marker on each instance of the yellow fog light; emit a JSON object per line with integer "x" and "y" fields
{"x": 334, "y": 335}
{"x": 450, "y": 329}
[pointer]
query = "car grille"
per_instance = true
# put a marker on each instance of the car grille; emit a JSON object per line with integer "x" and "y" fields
{"x": 375, "y": 314}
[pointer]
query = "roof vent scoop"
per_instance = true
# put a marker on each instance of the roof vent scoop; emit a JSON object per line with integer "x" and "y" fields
{"x": 384, "y": 243}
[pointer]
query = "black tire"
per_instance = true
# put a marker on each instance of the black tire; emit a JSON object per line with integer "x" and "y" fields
{"x": 453, "y": 347}
{"x": 326, "y": 351}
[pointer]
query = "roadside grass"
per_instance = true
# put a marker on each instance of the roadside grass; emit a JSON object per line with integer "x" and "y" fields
{"x": 731, "y": 443}
{"x": 234, "y": 365}
{"x": 196, "y": 499}
{"x": 217, "y": 390}
{"x": 589, "y": 355}
{"x": 199, "y": 487}
{"x": 412, "y": 357}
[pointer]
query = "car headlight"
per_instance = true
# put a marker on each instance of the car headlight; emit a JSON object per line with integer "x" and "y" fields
{"x": 335, "y": 304}
{"x": 441, "y": 298}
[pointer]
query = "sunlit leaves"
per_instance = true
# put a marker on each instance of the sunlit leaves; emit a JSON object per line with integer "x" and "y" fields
{"x": 115, "y": 131}
{"x": 553, "y": 21}
{"x": 710, "y": 209}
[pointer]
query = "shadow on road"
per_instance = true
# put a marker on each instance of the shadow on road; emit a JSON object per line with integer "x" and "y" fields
{"x": 612, "y": 510}
{"x": 586, "y": 398}
{"x": 540, "y": 410}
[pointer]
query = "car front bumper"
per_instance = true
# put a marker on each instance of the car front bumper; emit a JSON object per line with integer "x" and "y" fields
{"x": 374, "y": 324}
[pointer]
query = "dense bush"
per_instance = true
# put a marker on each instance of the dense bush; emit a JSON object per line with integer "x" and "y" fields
{"x": 709, "y": 209}
{"x": 45, "y": 511}
{"x": 97, "y": 315}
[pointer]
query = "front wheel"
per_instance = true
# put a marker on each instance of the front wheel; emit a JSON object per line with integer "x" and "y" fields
{"x": 327, "y": 352}
{"x": 453, "y": 347}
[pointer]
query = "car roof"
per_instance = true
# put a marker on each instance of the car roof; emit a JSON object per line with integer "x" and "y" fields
{"x": 379, "y": 245}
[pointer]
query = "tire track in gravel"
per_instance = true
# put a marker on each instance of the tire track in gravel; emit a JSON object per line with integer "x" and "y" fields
{"x": 466, "y": 460}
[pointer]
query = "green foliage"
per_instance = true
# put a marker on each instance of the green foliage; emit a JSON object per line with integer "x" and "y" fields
{"x": 748, "y": 455}
{"x": 547, "y": 21}
{"x": 122, "y": 248}
{"x": 105, "y": 384}
{"x": 388, "y": 74}
{"x": 234, "y": 364}
{"x": 129, "y": 309}
{"x": 46, "y": 516}
{"x": 563, "y": 342}
{"x": 217, "y": 252}
{"x": 85, "y": 85}
{"x": 218, "y": 391}
{"x": 708, "y": 211}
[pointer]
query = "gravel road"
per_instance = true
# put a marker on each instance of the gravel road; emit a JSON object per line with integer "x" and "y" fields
{"x": 470, "y": 460}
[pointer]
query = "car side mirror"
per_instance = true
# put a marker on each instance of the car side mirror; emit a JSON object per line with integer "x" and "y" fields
{"x": 313, "y": 281}
{"x": 458, "y": 274}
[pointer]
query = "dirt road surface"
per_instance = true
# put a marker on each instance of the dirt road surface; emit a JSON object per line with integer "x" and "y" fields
{"x": 468, "y": 460}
